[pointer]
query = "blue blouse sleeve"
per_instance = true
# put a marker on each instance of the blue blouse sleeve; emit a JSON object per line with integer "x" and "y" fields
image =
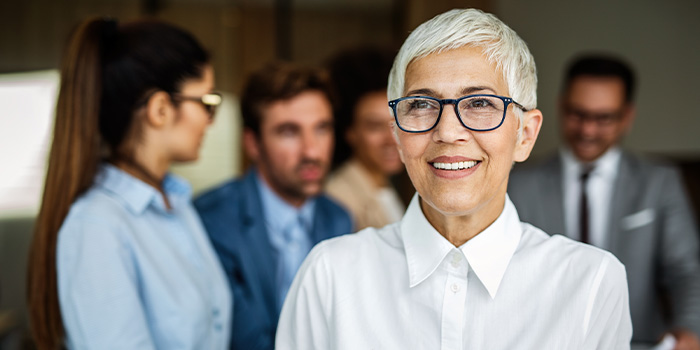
{"x": 98, "y": 288}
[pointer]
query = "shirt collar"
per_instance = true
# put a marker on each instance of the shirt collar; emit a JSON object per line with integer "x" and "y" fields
{"x": 488, "y": 253}
{"x": 278, "y": 213}
{"x": 606, "y": 165}
{"x": 137, "y": 194}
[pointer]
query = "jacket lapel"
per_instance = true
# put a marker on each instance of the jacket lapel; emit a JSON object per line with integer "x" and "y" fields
{"x": 261, "y": 259}
{"x": 322, "y": 225}
{"x": 552, "y": 197}
{"x": 623, "y": 200}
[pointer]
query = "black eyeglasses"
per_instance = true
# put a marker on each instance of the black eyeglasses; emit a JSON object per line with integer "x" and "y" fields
{"x": 602, "y": 119}
{"x": 210, "y": 101}
{"x": 481, "y": 112}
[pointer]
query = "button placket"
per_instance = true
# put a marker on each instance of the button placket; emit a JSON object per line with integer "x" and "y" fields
{"x": 453, "y": 303}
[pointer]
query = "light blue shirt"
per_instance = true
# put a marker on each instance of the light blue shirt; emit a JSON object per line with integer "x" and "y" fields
{"x": 134, "y": 275}
{"x": 288, "y": 228}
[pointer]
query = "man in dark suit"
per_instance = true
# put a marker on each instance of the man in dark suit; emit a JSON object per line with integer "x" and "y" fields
{"x": 264, "y": 224}
{"x": 632, "y": 206}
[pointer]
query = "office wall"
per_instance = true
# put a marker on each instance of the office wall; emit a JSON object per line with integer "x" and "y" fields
{"x": 659, "y": 38}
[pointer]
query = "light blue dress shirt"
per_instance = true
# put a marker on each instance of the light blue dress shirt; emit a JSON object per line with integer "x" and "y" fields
{"x": 133, "y": 274}
{"x": 289, "y": 230}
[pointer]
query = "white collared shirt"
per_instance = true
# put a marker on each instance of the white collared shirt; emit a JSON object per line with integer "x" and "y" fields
{"x": 405, "y": 286}
{"x": 599, "y": 189}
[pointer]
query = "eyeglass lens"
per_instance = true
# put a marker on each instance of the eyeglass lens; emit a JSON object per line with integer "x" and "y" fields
{"x": 476, "y": 112}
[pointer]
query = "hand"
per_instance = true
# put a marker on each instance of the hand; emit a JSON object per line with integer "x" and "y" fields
{"x": 686, "y": 340}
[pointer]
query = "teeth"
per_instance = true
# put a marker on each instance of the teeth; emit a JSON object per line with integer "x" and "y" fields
{"x": 454, "y": 166}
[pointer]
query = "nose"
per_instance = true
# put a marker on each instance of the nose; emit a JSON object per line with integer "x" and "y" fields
{"x": 450, "y": 129}
{"x": 589, "y": 127}
{"x": 311, "y": 145}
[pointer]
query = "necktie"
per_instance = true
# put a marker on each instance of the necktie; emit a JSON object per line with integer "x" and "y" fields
{"x": 583, "y": 206}
{"x": 295, "y": 247}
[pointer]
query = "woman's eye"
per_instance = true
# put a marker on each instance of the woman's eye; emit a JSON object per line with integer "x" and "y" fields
{"x": 421, "y": 105}
{"x": 480, "y": 103}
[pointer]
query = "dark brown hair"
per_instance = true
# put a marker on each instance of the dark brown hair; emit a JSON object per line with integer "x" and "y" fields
{"x": 355, "y": 73}
{"x": 106, "y": 73}
{"x": 603, "y": 66}
{"x": 278, "y": 81}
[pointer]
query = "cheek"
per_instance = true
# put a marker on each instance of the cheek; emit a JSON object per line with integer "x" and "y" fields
{"x": 371, "y": 141}
{"x": 412, "y": 147}
{"x": 569, "y": 127}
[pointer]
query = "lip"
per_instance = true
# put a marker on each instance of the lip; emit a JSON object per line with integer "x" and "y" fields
{"x": 453, "y": 174}
{"x": 451, "y": 159}
{"x": 310, "y": 173}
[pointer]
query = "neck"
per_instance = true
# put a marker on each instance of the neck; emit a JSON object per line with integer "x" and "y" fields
{"x": 140, "y": 172}
{"x": 293, "y": 199}
{"x": 460, "y": 228}
{"x": 150, "y": 170}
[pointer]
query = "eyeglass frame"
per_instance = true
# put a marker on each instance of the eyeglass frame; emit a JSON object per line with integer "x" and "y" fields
{"x": 601, "y": 119}
{"x": 200, "y": 99}
{"x": 455, "y": 102}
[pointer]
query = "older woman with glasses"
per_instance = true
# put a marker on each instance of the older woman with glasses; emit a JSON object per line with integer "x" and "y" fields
{"x": 120, "y": 259}
{"x": 459, "y": 271}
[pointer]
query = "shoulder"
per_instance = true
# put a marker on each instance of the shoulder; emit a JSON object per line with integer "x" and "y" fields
{"x": 217, "y": 196}
{"x": 533, "y": 170}
{"x": 329, "y": 208}
{"x": 374, "y": 243}
{"x": 100, "y": 207}
{"x": 224, "y": 210}
{"x": 344, "y": 186}
{"x": 94, "y": 217}
{"x": 650, "y": 166}
{"x": 338, "y": 179}
{"x": 558, "y": 253}
{"x": 661, "y": 179}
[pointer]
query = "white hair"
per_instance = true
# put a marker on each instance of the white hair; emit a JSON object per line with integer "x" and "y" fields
{"x": 471, "y": 27}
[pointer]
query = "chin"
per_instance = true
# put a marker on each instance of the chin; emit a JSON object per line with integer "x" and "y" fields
{"x": 187, "y": 158}
{"x": 312, "y": 190}
{"x": 450, "y": 205}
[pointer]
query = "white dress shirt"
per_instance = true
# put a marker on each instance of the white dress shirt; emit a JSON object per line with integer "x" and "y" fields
{"x": 599, "y": 189}
{"x": 405, "y": 286}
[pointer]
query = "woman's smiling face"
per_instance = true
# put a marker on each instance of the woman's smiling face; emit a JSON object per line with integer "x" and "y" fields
{"x": 482, "y": 159}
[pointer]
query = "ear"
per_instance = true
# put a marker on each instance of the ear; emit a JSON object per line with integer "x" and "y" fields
{"x": 532, "y": 122}
{"x": 159, "y": 110}
{"x": 251, "y": 145}
{"x": 628, "y": 115}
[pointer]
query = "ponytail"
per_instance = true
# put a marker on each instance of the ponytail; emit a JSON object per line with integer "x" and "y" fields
{"x": 106, "y": 73}
{"x": 72, "y": 166}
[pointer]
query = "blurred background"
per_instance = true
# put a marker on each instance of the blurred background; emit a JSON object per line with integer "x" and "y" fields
{"x": 658, "y": 38}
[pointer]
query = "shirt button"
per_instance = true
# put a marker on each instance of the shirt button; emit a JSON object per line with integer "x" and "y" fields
{"x": 215, "y": 312}
{"x": 455, "y": 287}
{"x": 218, "y": 327}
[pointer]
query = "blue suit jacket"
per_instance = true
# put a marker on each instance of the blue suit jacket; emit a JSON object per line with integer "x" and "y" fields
{"x": 233, "y": 217}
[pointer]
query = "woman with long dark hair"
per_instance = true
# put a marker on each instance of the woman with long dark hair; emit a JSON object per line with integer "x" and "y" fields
{"x": 119, "y": 258}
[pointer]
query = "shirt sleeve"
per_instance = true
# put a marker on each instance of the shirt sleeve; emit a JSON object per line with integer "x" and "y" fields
{"x": 99, "y": 288}
{"x": 304, "y": 319}
{"x": 607, "y": 322}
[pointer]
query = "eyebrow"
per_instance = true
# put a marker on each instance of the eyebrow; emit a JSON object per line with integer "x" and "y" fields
{"x": 465, "y": 91}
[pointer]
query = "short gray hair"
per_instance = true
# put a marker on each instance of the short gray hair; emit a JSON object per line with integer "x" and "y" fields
{"x": 471, "y": 27}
